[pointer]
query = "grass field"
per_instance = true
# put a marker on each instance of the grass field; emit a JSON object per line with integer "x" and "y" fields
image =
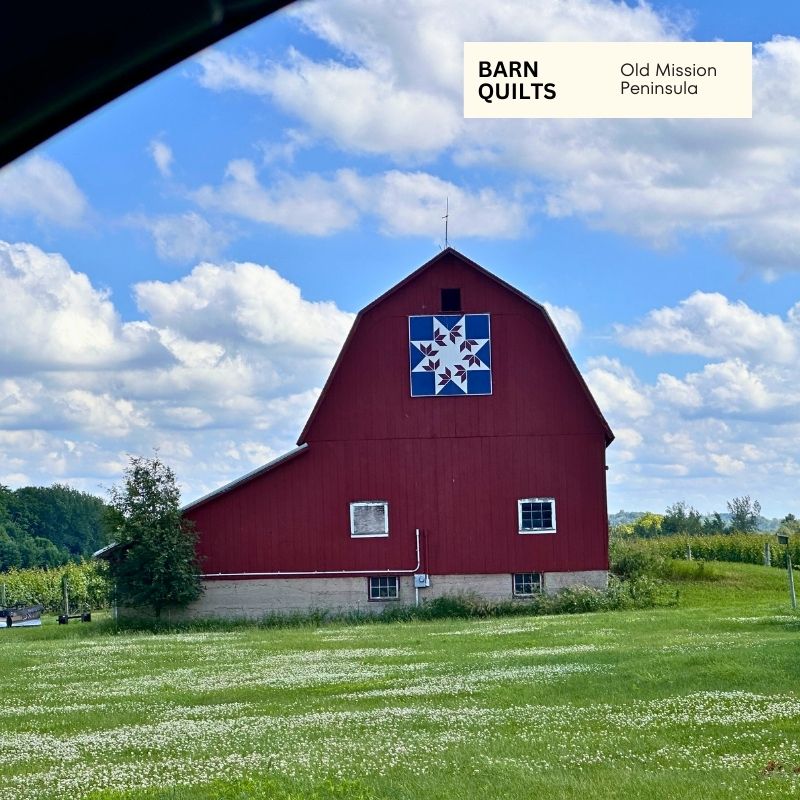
{"x": 699, "y": 701}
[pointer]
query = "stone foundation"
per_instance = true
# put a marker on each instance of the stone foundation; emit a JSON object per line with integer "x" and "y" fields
{"x": 253, "y": 599}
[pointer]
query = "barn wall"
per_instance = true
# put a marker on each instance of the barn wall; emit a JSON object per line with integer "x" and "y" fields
{"x": 535, "y": 387}
{"x": 453, "y": 467}
{"x": 461, "y": 493}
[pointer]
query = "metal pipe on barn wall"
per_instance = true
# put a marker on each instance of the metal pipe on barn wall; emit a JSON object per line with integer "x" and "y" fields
{"x": 312, "y": 573}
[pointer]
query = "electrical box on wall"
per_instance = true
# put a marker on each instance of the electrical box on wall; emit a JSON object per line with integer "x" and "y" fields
{"x": 421, "y": 581}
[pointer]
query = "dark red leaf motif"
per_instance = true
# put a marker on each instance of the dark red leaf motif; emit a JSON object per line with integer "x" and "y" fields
{"x": 431, "y": 366}
{"x": 427, "y": 349}
{"x": 472, "y": 360}
{"x": 445, "y": 377}
{"x": 468, "y": 344}
{"x": 438, "y": 337}
{"x": 455, "y": 332}
{"x": 461, "y": 373}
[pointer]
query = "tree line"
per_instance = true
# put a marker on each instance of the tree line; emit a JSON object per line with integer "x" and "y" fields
{"x": 744, "y": 516}
{"x": 49, "y": 526}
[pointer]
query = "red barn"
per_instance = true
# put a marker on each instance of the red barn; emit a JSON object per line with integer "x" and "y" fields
{"x": 454, "y": 448}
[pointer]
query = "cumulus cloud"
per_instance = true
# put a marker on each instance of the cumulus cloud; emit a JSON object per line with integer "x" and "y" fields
{"x": 729, "y": 426}
{"x": 308, "y": 205}
{"x": 245, "y": 303}
{"x": 708, "y": 324}
{"x": 53, "y": 318}
{"x": 404, "y": 203}
{"x": 40, "y": 186}
{"x": 183, "y": 237}
{"x": 355, "y": 107}
{"x": 653, "y": 179}
{"x": 162, "y": 156}
{"x": 219, "y": 373}
{"x": 567, "y": 321}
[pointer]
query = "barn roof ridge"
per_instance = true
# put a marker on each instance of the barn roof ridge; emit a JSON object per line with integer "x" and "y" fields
{"x": 474, "y": 265}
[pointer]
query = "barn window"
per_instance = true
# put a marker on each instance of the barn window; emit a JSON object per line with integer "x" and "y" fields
{"x": 537, "y": 515}
{"x": 451, "y": 299}
{"x": 369, "y": 518}
{"x": 527, "y": 584}
{"x": 384, "y": 587}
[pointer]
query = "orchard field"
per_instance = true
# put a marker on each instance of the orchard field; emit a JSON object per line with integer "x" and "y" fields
{"x": 701, "y": 700}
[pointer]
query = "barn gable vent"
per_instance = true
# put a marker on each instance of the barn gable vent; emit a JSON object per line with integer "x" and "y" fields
{"x": 451, "y": 300}
{"x": 369, "y": 518}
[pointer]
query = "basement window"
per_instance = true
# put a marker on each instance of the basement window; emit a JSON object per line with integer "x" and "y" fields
{"x": 384, "y": 587}
{"x": 527, "y": 584}
{"x": 451, "y": 300}
{"x": 369, "y": 518}
{"x": 537, "y": 515}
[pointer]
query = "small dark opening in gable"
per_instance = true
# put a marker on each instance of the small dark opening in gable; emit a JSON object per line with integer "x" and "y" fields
{"x": 451, "y": 299}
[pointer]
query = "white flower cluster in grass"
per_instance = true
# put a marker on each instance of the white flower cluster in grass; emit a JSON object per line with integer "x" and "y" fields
{"x": 193, "y": 749}
{"x": 182, "y": 711}
{"x": 558, "y": 650}
{"x": 698, "y": 642}
{"x": 470, "y": 682}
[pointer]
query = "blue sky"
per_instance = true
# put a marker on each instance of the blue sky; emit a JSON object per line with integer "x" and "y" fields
{"x": 304, "y": 163}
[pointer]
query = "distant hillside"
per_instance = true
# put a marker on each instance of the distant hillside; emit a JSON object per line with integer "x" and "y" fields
{"x": 624, "y": 517}
{"x": 48, "y": 526}
{"x": 627, "y": 517}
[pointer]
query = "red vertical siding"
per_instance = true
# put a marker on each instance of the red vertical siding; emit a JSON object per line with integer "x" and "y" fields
{"x": 453, "y": 467}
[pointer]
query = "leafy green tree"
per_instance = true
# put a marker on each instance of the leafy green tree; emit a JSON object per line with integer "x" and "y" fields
{"x": 790, "y": 525}
{"x": 714, "y": 525}
{"x": 648, "y": 525}
{"x": 155, "y": 563}
{"x": 9, "y": 552}
{"x": 744, "y": 514}
{"x": 681, "y": 519}
{"x": 72, "y": 520}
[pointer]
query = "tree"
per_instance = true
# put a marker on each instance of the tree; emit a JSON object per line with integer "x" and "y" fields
{"x": 714, "y": 524}
{"x": 681, "y": 519}
{"x": 790, "y": 525}
{"x": 648, "y": 525}
{"x": 155, "y": 563}
{"x": 744, "y": 514}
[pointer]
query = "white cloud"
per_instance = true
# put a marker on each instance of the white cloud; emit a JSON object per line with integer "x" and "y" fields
{"x": 413, "y": 204}
{"x": 727, "y": 465}
{"x": 40, "y": 186}
{"x": 395, "y": 88}
{"x": 229, "y": 353}
{"x": 567, "y": 321}
{"x": 404, "y": 203}
{"x": 355, "y": 107}
{"x": 53, "y": 318}
{"x": 162, "y": 156}
{"x": 617, "y": 390}
{"x": 730, "y": 426}
{"x": 308, "y": 205}
{"x": 708, "y": 324}
{"x": 183, "y": 237}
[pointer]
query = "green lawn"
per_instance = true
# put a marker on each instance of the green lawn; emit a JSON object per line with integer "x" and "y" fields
{"x": 699, "y": 701}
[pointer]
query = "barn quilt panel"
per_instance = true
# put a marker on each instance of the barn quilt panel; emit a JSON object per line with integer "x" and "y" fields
{"x": 450, "y": 354}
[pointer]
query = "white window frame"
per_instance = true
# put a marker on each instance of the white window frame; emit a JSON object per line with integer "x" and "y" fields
{"x": 523, "y": 595}
{"x": 373, "y": 599}
{"x": 550, "y": 500}
{"x": 356, "y": 503}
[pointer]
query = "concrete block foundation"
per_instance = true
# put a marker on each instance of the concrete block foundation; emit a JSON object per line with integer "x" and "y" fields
{"x": 256, "y": 598}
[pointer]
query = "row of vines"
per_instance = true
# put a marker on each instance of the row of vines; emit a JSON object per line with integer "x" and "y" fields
{"x": 87, "y": 582}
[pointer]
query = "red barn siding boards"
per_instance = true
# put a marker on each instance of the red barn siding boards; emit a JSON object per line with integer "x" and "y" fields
{"x": 453, "y": 467}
